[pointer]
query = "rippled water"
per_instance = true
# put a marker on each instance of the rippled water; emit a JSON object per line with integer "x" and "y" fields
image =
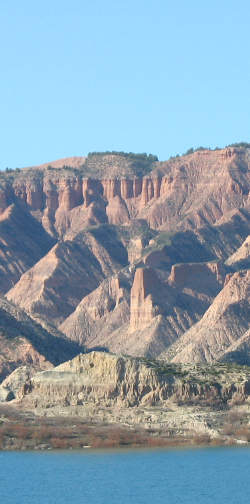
{"x": 201, "y": 476}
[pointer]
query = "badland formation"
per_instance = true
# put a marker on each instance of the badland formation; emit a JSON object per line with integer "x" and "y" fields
{"x": 125, "y": 289}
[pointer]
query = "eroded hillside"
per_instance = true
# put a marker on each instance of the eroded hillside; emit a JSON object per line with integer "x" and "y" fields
{"x": 132, "y": 255}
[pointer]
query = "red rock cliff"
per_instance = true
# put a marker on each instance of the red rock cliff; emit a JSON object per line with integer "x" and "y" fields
{"x": 142, "y": 309}
{"x": 189, "y": 191}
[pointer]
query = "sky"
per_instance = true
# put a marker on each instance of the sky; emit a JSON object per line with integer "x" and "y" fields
{"x": 142, "y": 76}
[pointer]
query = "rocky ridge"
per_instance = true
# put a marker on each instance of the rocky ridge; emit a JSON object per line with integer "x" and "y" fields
{"x": 130, "y": 254}
{"x": 99, "y": 377}
{"x": 225, "y": 321}
{"x": 150, "y": 316}
{"x": 23, "y": 242}
{"x": 158, "y": 396}
{"x": 241, "y": 258}
{"x": 182, "y": 192}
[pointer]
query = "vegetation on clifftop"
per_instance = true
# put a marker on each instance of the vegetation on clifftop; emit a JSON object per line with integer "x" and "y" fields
{"x": 134, "y": 164}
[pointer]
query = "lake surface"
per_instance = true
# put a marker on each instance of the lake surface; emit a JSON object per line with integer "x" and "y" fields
{"x": 199, "y": 476}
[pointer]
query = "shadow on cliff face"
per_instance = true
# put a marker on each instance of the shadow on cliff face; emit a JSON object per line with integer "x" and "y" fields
{"x": 109, "y": 238}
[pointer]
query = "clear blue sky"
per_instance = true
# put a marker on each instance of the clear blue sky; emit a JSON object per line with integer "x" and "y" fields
{"x": 143, "y": 76}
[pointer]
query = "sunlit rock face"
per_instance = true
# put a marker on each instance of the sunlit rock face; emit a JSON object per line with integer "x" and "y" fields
{"x": 127, "y": 254}
{"x": 189, "y": 191}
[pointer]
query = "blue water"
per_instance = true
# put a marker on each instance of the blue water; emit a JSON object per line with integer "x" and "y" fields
{"x": 201, "y": 476}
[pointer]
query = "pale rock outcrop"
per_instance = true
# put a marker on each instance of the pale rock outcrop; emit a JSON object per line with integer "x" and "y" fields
{"x": 10, "y": 387}
{"x": 105, "y": 380}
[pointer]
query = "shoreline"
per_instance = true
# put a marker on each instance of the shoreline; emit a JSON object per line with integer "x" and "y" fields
{"x": 24, "y": 430}
{"x": 86, "y": 438}
{"x": 128, "y": 448}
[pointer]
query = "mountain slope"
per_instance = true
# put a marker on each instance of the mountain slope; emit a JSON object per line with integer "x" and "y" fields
{"x": 130, "y": 254}
{"x": 241, "y": 258}
{"x": 70, "y": 271}
{"x": 226, "y": 320}
{"x": 239, "y": 351}
{"x": 23, "y": 241}
{"x": 144, "y": 319}
{"x": 24, "y": 341}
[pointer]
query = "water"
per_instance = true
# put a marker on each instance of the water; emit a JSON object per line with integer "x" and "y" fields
{"x": 201, "y": 476}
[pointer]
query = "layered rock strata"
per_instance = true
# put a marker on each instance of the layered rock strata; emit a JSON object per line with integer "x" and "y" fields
{"x": 216, "y": 181}
{"x": 193, "y": 210}
{"x": 107, "y": 380}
